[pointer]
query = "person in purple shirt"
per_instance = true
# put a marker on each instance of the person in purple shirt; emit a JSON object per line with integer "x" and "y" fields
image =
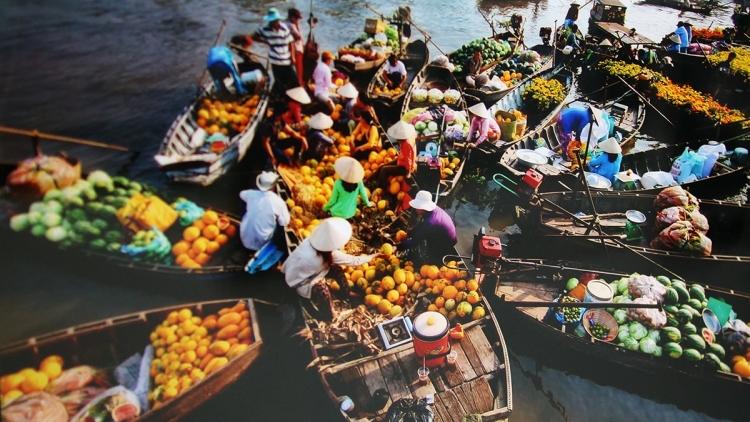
{"x": 436, "y": 229}
{"x": 572, "y": 120}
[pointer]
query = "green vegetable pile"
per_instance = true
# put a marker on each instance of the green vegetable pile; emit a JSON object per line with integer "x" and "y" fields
{"x": 599, "y": 331}
{"x": 571, "y": 314}
{"x": 491, "y": 51}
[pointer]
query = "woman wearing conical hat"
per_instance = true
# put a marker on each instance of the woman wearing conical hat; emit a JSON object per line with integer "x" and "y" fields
{"x": 406, "y": 162}
{"x": 347, "y": 189}
{"x": 607, "y": 162}
{"x": 483, "y": 126}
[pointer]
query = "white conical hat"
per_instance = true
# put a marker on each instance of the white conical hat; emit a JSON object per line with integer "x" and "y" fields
{"x": 348, "y": 91}
{"x": 298, "y": 94}
{"x": 610, "y": 146}
{"x": 402, "y": 130}
{"x": 480, "y": 110}
{"x": 349, "y": 169}
{"x": 320, "y": 121}
{"x": 598, "y": 115}
{"x": 331, "y": 234}
{"x": 606, "y": 43}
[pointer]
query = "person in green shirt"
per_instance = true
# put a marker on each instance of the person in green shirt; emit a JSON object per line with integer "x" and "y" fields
{"x": 347, "y": 189}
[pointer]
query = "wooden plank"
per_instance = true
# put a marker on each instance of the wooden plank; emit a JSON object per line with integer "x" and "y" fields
{"x": 357, "y": 389}
{"x": 438, "y": 380}
{"x": 490, "y": 362}
{"x": 409, "y": 365}
{"x": 472, "y": 355}
{"x": 463, "y": 364}
{"x": 476, "y": 396}
{"x": 440, "y": 412}
{"x": 453, "y": 405}
{"x": 453, "y": 374}
{"x": 395, "y": 379}
{"x": 374, "y": 380}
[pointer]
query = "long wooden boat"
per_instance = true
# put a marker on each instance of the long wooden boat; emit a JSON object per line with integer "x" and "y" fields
{"x": 552, "y": 232}
{"x": 184, "y": 155}
{"x": 629, "y": 112}
{"x": 108, "y": 343}
{"x": 431, "y": 178}
{"x": 479, "y": 383}
{"x": 415, "y": 59}
{"x": 697, "y": 7}
{"x": 663, "y": 379}
{"x": 489, "y": 98}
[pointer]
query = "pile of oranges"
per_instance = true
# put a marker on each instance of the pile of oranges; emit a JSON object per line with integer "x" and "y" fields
{"x": 227, "y": 118}
{"x": 29, "y": 380}
{"x": 202, "y": 239}
{"x": 188, "y": 348}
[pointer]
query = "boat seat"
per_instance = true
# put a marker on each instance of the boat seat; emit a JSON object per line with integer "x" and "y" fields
{"x": 618, "y": 111}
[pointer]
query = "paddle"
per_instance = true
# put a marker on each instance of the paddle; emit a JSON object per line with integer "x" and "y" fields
{"x": 645, "y": 100}
{"x": 36, "y": 135}
{"x": 204, "y": 76}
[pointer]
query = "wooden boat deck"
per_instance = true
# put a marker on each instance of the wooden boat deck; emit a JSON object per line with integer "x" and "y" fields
{"x": 527, "y": 292}
{"x": 458, "y": 391}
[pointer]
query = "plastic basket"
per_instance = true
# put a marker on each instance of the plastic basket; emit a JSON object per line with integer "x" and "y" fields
{"x": 600, "y": 316}
{"x": 507, "y": 128}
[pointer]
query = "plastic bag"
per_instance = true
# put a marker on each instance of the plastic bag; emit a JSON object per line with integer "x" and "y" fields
{"x": 682, "y": 236}
{"x": 698, "y": 162}
{"x": 675, "y": 196}
{"x": 409, "y": 410}
{"x": 683, "y": 165}
{"x": 646, "y": 286}
{"x": 657, "y": 178}
{"x": 650, "y": 317}
{"x": 667, "y": 216}
{"x": 39, "y": 406}
{"x": 736, "y": 336}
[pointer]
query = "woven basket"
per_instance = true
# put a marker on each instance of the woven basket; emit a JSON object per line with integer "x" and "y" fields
{"x": 602, "y": 317}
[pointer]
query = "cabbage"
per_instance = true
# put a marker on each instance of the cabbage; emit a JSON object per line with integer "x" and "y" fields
{"x": 420, "y": 126}
{"x": 647, "y": 345}
{"x": 39, "y": 230}
{"x": 54, "y": 206}
{"x": 451, "y": 96}
{"x": 19, "y": 222}
{"x": 434, "y": 96}
{"x": 622, "y": 285}
{"x": 621, "y": 316}
{"x": 637, "y": 331}
{"x": 631, "y": 343}
{"x": 35, "y": 217}
{"x": 623, "y": 333}
{"x": 51, "y": 219}
{"x": 419, "y": 95}
{"x": 654, "y": 334}
{"x": 56, "y": 234}
{"x": 657, "y": 351}
{"x": 39, "y": 207}
{"x": 432, "y": 126}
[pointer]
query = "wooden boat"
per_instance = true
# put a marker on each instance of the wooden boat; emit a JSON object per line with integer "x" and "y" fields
{"x": 107, "y": 343}
{"x": 489, "y": 98}
{"x": 608, "y": 11}
{"x": 185, "y": 157}
{"x": 696, "y": 7}
{"x": 629, "y": 112}
{"x": 430, "y": 177}
{"x": 415, "y": 59}
{"x": 552, "y": 232}
{"x": 479, "y": 383}
{"x": 662, "y": 379}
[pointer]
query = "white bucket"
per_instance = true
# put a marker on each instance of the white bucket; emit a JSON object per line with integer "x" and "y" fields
{"x": 253, "y": 77}
{"x": 598, "y": 291}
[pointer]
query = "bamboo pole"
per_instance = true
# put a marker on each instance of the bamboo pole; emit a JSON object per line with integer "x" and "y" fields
{"x": 48, "y": 136}
{"x": 204, "y": 76}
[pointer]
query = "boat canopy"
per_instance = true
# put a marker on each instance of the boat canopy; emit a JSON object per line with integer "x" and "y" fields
{"x": 608, "y": 11}
{"x": 220, "y": 64}
{"x": 615, "y": 31}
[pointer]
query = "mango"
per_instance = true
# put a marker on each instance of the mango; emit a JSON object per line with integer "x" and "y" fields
{"x": 229, "y": 319}
{"x": 228, "y": 332}
{"x": 219, "y": 347}
{"x": 215, "y": 364}
{"x": 236, "y": 350}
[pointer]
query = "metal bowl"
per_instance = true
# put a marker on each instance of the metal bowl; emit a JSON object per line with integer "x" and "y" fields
{"x": 711, "y": 320}
{"x": 635, "y": 216}
{"x": 597, "y": 181}
{"x": 529, "y": 158}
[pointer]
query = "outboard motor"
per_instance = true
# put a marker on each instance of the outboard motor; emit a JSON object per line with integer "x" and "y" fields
{"x": 545, "y": 33}
{"x": 486, "y": 250}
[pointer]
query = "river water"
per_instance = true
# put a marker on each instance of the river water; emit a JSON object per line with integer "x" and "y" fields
{"x": 121, "y": 71}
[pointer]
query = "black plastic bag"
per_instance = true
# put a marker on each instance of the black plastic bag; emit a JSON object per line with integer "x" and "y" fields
{"x": 409, "y": 410}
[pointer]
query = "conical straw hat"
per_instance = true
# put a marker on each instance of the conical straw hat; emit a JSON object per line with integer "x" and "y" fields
{"x": 402, "y": 130}
{"x": 480, "y": 110}
{"x": 320, "y": 121}
{"x": 597, "y": 113}
{"x": 349, "y": 169}
{"x": 331, "y": 234}
{"x": 348, "y": 91}
{"x": 610, "y": 146}
{"x": 298, "y": 94}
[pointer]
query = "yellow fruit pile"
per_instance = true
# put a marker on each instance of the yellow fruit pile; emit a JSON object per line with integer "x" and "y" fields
{"x": 188, "y": 348}
{"x": 29, "y": 380}
{"x": 449, "y": 167}
{"x": 453, "y": 293}
{"x": 511, "y": 78}
{"x": 227, "y": 118}
{"x": 386, "y": 91}
{"x": 201, "y": 240}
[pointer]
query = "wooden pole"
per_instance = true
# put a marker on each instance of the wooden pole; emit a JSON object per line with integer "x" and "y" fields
{"x": 645, "y": 100}
{"x": 204, "y": 76}
{"x": 34, "y": 134}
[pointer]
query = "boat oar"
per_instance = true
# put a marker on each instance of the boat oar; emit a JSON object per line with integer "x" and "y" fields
{"x": 245, "y": 50}
{"x": 587, "y": 305}
{"x": 36, "y": 135}
{"x": 204, "y": 76}
{"x": 486, "y": 19}
{"x": 645, "y": 100}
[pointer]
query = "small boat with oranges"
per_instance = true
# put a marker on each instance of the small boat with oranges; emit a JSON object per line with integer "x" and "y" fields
{"x": 215, "y": 132}
{"x": 132, "y": 367}
{"x": 415, "y": 59}
{"x": 389, "y": 352}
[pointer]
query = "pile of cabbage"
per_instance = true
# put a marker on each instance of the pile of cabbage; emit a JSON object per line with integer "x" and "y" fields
{"x": 419, "y": 95}
{"x": 638, "y": 328}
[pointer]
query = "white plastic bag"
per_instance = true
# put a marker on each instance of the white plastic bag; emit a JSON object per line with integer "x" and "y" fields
{"x": 657, "y": 178}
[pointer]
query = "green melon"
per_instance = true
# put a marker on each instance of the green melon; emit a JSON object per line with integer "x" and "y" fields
{"x": 712, "y": 360}
{"x": 684, "y": 315}
{"x": 663, "y": 280}
{"x": 717, "y": 349}
{"x": 692, "y": 355}
{"x": 697, "y": 291}
{"x": 688, "y": 329}
{"x": 695, "y": 341}
{"x": 672, "y": 333}
{"x": 681, "y": 292}
{"x": 671, "y": 297}
{"x": 672, "y": 349}
{"x": 693, "y": 312}
{"x": 671, "y": 309}
{"x": 695, "y": 304}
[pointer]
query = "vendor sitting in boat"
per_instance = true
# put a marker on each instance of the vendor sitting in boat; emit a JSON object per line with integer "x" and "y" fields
{"x": 317, "y": 141}
{"x": 406, "y": 162}
{"x": 283, "y": 131}
{"x": 319, "y": 256}
{"x": 473, "y": 66}
{"x": 573, "y": 122}
{"x": 483, "y": 126}
{"x": 365, "y": 137}
{"x": 347, "y": 189}
{"x": 394, "y": 73}
{"x": 435, "y": 233}
{"x": 264, "y": 213}
{"x": 606, "y": 160}
{"x": 572, "y": 16}
{"x": 347, "y": 118}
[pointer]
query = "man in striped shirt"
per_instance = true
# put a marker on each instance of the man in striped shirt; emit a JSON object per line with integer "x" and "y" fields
{"x": 280, "y": 42}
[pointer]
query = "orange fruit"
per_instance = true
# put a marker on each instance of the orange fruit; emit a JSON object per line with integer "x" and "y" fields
{"x": 450, "y": 292}
{"x": 210, "y": 232}
{"x": 221, "y": 239}
{"x": 199, "y": 224}
{"x": 472, "y": 285}
{"x": 191, "y": 233}
{"x": 53, "y": 369}
{"x": 440, "y": 301}
{"x": 180, "y": 247}
{"x": 212, "y": 247}
{"x": 230, "y": 231}
{"x": 36, "y": 381}
{"x": 210, "y": 217}
{"x": 202, "y": 258}
{"x": 200, "y": 245}
{"x": 392, "y": 295}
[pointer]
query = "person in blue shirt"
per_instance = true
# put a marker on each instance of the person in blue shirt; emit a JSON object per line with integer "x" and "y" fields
{"x": 682, "y": 33}
{"x": 220, "y": 65}
{"x": 572, "y": 120}
{"x": 607, "y": 163}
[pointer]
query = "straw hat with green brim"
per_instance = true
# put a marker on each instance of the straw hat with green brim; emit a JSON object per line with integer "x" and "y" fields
{"x": 331, "y": 234}
{"x": 402, "y": 130}
{"x": 479, "y": 110}
{"x": 598, "y": 115}
{"x": 299, "y": 95}
{"x": 348, "y": 91}
{"x": 273, "y": 15}
{"x": 265, "y": 180}
{"x": 349, "y": 170}
{"x": 610, "y": 146}
{"x": 423, "y": 201}
{"x": 320, "y": 121}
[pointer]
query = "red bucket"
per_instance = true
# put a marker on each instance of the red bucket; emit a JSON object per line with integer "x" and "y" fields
{"x": 431, "y": 343}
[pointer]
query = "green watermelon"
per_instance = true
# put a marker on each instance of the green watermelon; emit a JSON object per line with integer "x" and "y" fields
{"x": 717, "y": 349}
{"x": 679, "y": 283}
{"x": 695, "y": 304}
{"x": 692, "y": 355}
{"x": 671, "y": 297}
{"x": 693, "y": 312}
{"x": 663, "y": 280}
{"x": 688, "y": 329}
{"x": 695, "y": 341}
{"x": 671, "y": 333}
{"x": 681, "y": 292}
{"x": 671, "y": 309}
{"x": 723, "y": 367}
{"x": 672, "y": 349}
{"x": 684, "y": 315}
{"x": 672, "y": 321}
{"x": 697, "y": 291}
{"x": 712, "y": 360}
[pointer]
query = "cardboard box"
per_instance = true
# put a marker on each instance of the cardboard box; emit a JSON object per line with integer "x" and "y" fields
{"x": 374, "y": 26}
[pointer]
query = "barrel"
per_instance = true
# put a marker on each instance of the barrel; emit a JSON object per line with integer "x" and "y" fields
{"x": 598, "y": 291}
{"x": 431, "y": 343}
